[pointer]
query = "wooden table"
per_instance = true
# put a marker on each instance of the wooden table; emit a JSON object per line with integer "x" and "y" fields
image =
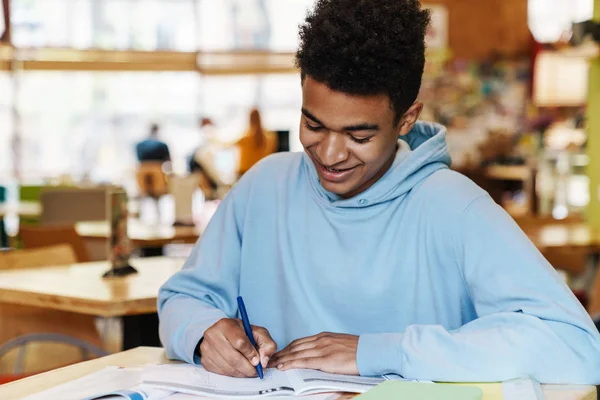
{"x": 144, "y": 355}
{"x": 80, "y": 288}
{"x": 140, "y": 234}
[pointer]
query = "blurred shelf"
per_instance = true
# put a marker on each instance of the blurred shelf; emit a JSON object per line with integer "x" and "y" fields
{"x": 587, "y": 50}
{"x": 509, "y": 172}
{"x": 207, "y": 63}
{"x": 250, "y": 62}
{"x": 55, "y": 59}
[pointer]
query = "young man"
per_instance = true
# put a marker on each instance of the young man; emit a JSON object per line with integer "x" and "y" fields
{"x": 366, "y": 254}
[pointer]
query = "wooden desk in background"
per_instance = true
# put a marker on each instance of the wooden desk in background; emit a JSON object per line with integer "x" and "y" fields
{"x": 80, "y": 288}
{"x": 571, "y": 236}
{"x": 146, "y": 355}
{"x": 578, "y": 234}
{"x": 140, "y": 234}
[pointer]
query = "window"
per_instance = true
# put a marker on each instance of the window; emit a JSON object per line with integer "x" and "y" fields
{"x": 145, "y": 25}
{"x": 550, "y": 20}
{"x": 227, "y": 100}
{"x": 250, "y": 24}
{"x": 6, "y": 125}
{"x": 86, "y": 124}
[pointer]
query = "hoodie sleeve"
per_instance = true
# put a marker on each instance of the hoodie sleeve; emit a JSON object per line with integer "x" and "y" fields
{"x": 201, "y": 293}
{"x": 529, "y": 322}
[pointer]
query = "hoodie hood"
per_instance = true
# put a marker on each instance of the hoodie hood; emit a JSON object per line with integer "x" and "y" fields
{"x": 429, "y": 153}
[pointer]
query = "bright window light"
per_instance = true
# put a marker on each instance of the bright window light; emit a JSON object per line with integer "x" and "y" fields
{"x": 549, "y": 20}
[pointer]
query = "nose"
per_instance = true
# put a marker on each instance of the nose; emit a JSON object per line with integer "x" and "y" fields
{"x": 332, "y": 150}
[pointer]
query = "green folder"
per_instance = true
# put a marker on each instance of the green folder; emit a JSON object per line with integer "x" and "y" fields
{"x": 399, "y": 390}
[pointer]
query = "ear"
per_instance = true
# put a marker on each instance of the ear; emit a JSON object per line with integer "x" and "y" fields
{"x": 409, "y": 118}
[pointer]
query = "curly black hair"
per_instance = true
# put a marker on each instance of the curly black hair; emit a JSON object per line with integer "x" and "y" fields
{"x": 366, "y": 47}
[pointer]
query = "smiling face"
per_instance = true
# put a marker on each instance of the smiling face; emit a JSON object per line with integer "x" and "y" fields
{"x": 352, "y": 140}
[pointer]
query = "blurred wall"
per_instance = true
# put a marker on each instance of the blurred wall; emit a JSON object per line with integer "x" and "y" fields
{"x": 478, "y": 26}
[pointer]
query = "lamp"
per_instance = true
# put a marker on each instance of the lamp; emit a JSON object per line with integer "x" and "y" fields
{"x": 549, "y": 20}
{"x": 560, "y": 80}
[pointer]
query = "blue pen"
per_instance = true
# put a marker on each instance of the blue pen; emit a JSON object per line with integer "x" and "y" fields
{"x": 248, "y": 330}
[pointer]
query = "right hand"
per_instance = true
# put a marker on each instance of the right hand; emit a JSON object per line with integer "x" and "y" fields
{"x": 226, "y": 350}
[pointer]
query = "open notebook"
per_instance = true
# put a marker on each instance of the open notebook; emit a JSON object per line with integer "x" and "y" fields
{"x": 196, "y": 380}
{"x": 161, "y": 382}
{"x": 107, "y": 384}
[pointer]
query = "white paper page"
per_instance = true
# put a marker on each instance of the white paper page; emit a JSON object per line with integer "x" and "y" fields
{"x": 311, "y": 381}
{"x": 396, "y": 377}
{"x": 185, "y": 378}
{"x": 327, "y": 396}
{"x": 107, "y": 380}
{"x": 133, "y": 394}
{"x": 522, "y": 389}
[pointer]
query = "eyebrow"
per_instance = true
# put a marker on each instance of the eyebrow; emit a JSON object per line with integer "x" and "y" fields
{"x": 350, "y": 128}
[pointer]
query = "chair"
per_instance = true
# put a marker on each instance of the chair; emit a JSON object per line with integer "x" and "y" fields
{"x": 34, "y": 237}
{"x": 571, "y": 260}
{"x": 68, "y": 337}
{"x": 182, "y": 189}
{"x": 24, "y": 343}
{"x": 151, "y": 179}
{"x": 60, "y": 254}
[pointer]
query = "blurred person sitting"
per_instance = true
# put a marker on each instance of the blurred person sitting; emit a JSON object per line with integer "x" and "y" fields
{"x": 201, "y": 162}
{"x": 153, "y": 149}
{"x": 154, "y": 158}
{"x": 256, "y": 143}
{"x": 206, "y": 126}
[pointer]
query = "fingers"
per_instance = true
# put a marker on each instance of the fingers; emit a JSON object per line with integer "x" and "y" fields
{"x": 265, "y": 343}
{"x": 229, "y": 349}
{"x": 328, "y": 352}
{"x": 220, "y": 357}
{"x": 235, "y": 365}
{"x": 304, "y": 363}
{"x": 243, "y": 345}
{"x": 211, "y": 366}
{"x": 303, "y": 344}
{"x": 307, "y": 339}
{"x": 241, "y": 354}
{"x": 294, "y": 348}
{"x": 286, "y": 358}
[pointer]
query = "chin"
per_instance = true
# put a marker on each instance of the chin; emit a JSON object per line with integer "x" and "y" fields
{"x": 339, "y": 189}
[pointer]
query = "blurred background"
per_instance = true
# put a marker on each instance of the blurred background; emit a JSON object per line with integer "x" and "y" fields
{"x": 82, "y": 81}
{"x": 169, "y": 102}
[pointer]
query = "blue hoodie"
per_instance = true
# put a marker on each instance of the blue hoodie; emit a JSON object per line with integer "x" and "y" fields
{"x": 435, "y": 278}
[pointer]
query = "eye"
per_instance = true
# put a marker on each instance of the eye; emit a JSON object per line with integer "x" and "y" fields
{"x": 357, "y": 140}
{"x": 312, "y": 127}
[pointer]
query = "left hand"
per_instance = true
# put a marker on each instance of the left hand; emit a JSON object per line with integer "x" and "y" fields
{"x": 327, "y": 352}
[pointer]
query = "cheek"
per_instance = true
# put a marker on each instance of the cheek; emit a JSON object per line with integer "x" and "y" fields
{"x": 302, "y": 137}
{"x": 373, "y": 156}
{"x": 308, "y": 138}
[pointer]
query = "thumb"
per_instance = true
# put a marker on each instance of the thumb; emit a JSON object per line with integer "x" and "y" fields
{"x": 265, "y": 343}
